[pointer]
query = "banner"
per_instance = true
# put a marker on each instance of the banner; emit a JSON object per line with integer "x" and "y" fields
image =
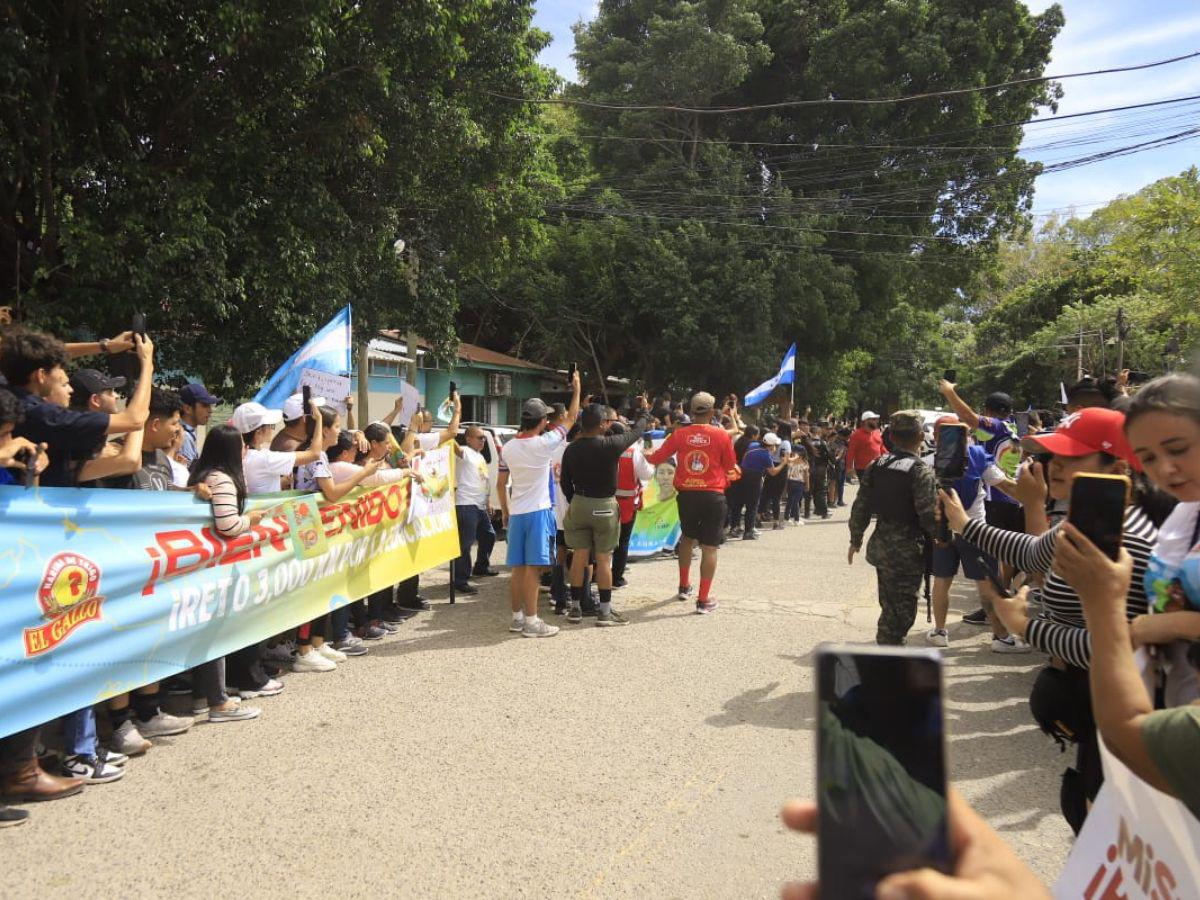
{"x": 107, "y": 590}
{"x": 656, "y": 527}
{"x": 334, "y": 388}
{"x": 1137, "y": 844}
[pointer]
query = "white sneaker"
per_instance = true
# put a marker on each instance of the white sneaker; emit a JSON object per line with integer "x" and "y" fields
{"x": 1010, "y": 644}
{"x": 330, "y": 654}
{"x": 280, "y": 653}
{"x": 163, "y": 725}
{"x": 938, "y": 637}
{"x": 312, "y": 661}
{"x": 517, "y": 624}
{"x": 128, "y": 741}
{"x": 270, "y": 689}
{"x": 536, "y": 628}
{"x": 799, "y": 522}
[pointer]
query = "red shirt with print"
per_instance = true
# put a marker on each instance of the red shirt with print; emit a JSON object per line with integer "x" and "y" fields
{"x": 703, "y": 454}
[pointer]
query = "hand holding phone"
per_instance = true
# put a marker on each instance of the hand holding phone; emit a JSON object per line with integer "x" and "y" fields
{"x": 881, "y": 766}
{"x": 1098, "y": 509}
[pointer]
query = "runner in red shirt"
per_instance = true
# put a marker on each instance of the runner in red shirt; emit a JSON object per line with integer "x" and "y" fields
{"x": 704, "y": 459}
{"x": 865, "y": 445}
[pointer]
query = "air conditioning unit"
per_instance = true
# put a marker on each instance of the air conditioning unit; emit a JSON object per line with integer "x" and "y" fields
{"x": 499, "y": 385}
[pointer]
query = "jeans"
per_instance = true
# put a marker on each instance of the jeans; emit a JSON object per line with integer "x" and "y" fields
{"x": 474, "y": 524}
{"x": 79, "y": 732}
{"x": 208, "y": 682}
{"x": 772, "y": 495}
{"x": 748, "y": 495}
{"x": 243, "y": 669}
{"x": 795, "y": 499}
{"x": 621, "y": 554}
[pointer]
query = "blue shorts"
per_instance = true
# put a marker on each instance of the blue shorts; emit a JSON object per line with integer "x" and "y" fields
{"x": 947, "y": 559}
{"x": 531, "y": 539}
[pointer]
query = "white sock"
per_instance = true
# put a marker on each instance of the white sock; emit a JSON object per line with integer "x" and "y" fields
{"x": 532, "y": 620}
{"x": 519, "y": 616}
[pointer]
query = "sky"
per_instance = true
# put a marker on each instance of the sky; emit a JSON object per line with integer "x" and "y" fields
{"x": 1099, "y": 34}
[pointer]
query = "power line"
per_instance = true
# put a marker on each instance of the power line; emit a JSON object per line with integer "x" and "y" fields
{"x": 836, "y": 101}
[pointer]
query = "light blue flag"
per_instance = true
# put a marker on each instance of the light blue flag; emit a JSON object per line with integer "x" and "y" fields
{"x": 786, "y": 375}
{"x": 329, "y": 350}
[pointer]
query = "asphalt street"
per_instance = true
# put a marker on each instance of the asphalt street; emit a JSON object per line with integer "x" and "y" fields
{"x": 459, "y": 760}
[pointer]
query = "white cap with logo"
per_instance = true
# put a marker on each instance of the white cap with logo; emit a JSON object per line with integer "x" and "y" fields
{"x": 869, "y": 415}
{"x": 293, "y": 407}
{"x": 252, "y": 416}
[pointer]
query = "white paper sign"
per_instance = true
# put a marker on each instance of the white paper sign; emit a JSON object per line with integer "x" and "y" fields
{"x": 412, "y": 399}
{"x": 334, "y": 388}
{"x": 1137, "y": 844}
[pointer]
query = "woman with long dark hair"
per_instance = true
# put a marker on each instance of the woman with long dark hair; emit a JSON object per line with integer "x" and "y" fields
{"x": 220, "y": 468}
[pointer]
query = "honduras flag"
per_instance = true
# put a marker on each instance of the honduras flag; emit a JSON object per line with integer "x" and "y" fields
{"x": 786, "y": 375}
{"x": 329, "y": 350}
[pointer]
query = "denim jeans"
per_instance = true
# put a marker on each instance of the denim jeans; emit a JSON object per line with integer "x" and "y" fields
{"x": 474, "y": 525}
{"x": 79, "y": 732}
{"x": 795, "y": 499}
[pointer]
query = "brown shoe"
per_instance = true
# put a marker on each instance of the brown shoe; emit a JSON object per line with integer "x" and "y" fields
{"x": 31, "y": 783}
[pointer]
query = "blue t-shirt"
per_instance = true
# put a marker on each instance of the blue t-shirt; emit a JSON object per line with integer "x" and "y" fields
{"x": 1173, "y": 572}
{"x": 967, "y": 487}
{"x": 757, "y": 459}
{"x": 6, "y": 477}
{"x": 999, "y": 439}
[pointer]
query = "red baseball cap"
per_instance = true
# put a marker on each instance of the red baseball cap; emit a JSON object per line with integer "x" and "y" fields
{"x": 1092, "y": 430}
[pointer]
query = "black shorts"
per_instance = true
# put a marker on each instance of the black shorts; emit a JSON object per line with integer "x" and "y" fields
{"x": 702, "y": 516}
{"x": 1008, "y": 516}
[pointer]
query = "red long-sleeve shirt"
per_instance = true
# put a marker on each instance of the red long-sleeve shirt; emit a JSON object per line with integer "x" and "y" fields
{"x": 864, "y": 447}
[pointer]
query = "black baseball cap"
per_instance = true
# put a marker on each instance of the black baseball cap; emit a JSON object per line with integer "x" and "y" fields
{"x": 998, "y": 402}
{"x": 85, "y": 382}
{"x": 191, "y": 394}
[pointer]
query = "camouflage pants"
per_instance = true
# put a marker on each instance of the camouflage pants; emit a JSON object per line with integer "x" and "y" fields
{"x": 898, "y": 590}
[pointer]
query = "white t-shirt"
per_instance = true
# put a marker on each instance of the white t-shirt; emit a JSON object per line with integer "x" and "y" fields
{"x": 179, "y": 474}
{"x": 306, "y": 476}
{"x": 429, "y": 441}
{"x": 264, "y": 468}
{"x": 528, "y": 460}
{"x": 561, "y": 503}
{"x": 344, "y": 471}
{"x": 471, "y": 479}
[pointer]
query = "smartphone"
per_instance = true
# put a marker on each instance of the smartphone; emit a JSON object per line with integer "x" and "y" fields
{"x": 1098, "y": 509}
{"x": 881, "y": 766}
{"x": 28, "y": 458}
{"x": 950, "y": 453}
{"x": 571, "y": 370}
{"x": 453, "y": 390}
{"x": 951, "y": 376}
{"x": 1022, "y": 420}
{"x": 138, "y": 325}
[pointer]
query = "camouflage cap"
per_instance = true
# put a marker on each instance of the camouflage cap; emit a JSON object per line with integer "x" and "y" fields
{"x": 907, "y": 421}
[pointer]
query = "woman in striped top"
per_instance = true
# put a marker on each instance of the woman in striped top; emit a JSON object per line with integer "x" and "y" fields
{"x": 1091, "y": 441}
{"x": 220, "y": 468}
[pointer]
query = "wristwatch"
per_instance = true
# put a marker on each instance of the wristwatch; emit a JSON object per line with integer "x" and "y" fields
{"x": 103, "y": 345}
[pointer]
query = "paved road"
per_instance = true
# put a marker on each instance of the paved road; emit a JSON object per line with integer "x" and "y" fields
{"x": 458, "y": 760}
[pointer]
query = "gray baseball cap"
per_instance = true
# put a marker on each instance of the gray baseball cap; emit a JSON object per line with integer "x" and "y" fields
{"x": 702, "y": 402}
{"x": 535, "y": 408}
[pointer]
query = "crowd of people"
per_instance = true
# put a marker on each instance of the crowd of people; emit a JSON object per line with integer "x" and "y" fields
{"x": 1045, "y": 587}
{"x": 570, "y": 485}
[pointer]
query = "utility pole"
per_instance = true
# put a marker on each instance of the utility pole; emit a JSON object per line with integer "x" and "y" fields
{"x": 411, "y": 339}
{"x": 1122, "y": 334}
{"x": 364, "y": 388}
{"x": 1079, "y": 355}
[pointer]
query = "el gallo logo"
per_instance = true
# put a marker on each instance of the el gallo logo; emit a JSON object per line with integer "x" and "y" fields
{"x": 69, "y": 596}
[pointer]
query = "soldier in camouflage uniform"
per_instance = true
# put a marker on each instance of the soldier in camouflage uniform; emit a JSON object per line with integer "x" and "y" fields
{"x": 900, "y": 492}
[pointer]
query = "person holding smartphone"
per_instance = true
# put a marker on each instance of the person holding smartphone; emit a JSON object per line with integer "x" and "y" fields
{"x": 1091, "y": 441}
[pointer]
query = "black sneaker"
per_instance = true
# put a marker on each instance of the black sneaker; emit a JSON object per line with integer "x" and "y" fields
{"x": 574, "y": 613}
{"x": 465, "y": 589}
{"x": 619, "y": 582}
{"x": 979, "y": 617}
{"x": 420, "y": 604}
{"x": 485, "y": 573}
{"x": 10, "y": 817}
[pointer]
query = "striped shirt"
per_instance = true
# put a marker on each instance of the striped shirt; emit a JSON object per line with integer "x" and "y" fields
{"x": 1060, "y": 630}
{"x": 228, "y": 521}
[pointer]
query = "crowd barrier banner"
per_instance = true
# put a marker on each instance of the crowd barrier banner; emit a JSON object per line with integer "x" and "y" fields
{"x": 103, "y": 591}
{"x": 656, "y": 527}
{"x": 1137, "y": 844}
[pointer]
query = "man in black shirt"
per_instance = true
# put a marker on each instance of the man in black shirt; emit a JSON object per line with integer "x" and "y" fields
{"x": 34, "y": 365}
{"x": 593, "y": 521}
{"x": 160, "y": 432}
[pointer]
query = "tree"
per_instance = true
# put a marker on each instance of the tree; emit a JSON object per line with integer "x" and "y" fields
{"x": 243, "y": 168}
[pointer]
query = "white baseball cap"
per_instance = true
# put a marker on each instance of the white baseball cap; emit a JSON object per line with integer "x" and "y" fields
{"x": 869, "y": 415}
{"x": 771, "y": 439}
{"x": 252, "y": 416}
{"x": 293, "y": 407}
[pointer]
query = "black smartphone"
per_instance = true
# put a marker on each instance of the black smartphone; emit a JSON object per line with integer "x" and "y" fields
{"x": 1098, "y": 509}
{"x": 138, "y": 325}
{"x": 881, "y": 766}
{"x": 571, "y": 370}
{"x": 950, "y": 453}
{"x": 28, "y": 458}
{"x": 951, "y": 376}
{"x": 1022, "y": 420}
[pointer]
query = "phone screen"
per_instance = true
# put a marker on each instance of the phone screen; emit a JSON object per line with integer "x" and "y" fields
{"x": 1098, "y": 509}
{"x": 949, "y": 375}
{"x": 1022, "y": 419}
{"x": 950, "y": 455}
{"x": 881, "y": 769}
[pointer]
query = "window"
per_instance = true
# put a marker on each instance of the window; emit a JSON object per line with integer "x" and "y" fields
{"x": 427, "y": 361}
{"x": 383, "y": 368}
{"x": 474, "y": 409}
